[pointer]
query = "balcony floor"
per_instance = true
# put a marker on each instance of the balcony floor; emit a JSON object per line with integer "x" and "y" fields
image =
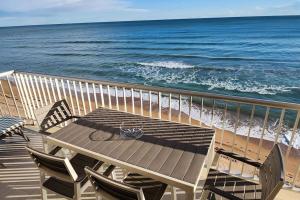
{"x": 20, "y": 177}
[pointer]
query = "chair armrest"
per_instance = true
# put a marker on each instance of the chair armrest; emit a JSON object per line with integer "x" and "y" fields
{"x": 222, "y": 193}
{"x": 109, "y": 170}
{"x": 74, "y": 116}
{"x": 238, "y": 157}
{"x": 55, "y": 150}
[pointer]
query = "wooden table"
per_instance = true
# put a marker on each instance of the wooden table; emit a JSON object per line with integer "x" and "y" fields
{"x": 176, "y": 154}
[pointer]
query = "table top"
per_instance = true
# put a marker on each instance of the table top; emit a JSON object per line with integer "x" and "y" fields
{"x": 167, "y": 151}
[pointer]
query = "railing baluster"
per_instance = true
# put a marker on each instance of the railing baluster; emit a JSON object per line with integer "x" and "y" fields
{"x": 34, "y": 92}
{"x": 170, "y": 107}
{"x": 71, "y": 96}
{"x": 58, "y": 89}
{"x": 29, "y": 91}
{"x": 291, "y": 142}
{"x": 248, "y": 135}
{"x": 279, "y": 126}
{"x": 63, "y": 88}
{"x": 179, "y": 114}
{"x": 38, "y": 90}
{"x": 109, "y": 97}
{"x": 14, "y": 97}
{"x": 95, "y": 95}
{"x": 141, "y": 102}
{"x": 223, "y": 125}
{"x": 48, "y": 90}
{"x": 29, "y": 103}
{"x": 124, "y": 96}
{"x": 295, "y": 176}
{"x": 132, "y": 101}
{"x": 263, "y": 132}
{"x": 88, "y": 95}
{"x": 102, "y": 96}
{"x": 22, "y": 96}
{"x": 76, "y": 97}
{"x": 43, "y": 90}
{"x": 82, "y": 98}
{"x": 212, "y": 113}
{"x": 201, "y": 112}
{"x": 159, "y": 105}
{"x": 52, "y": 87}
{"x": 235, "y": 131}
{"x": 5, "y": 99}
{"x": 117, "y": 98}
{"x": 190, "y": 109}
{"x": 150, "y": 104}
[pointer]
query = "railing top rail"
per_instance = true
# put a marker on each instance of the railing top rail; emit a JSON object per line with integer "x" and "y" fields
{"x": 3, "y": 74}
{"x": 235, "y": 99}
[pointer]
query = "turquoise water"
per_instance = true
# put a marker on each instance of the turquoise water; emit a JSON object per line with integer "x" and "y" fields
{"x": 255, "y": 57}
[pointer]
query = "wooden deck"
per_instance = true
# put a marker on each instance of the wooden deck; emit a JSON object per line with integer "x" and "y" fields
{"x": 20, "y": 178}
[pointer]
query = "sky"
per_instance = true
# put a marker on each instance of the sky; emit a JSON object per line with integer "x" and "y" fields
{"x": 33, "y": 12}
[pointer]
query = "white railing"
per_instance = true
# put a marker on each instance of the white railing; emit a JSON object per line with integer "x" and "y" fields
{"x": 243, "y": 125}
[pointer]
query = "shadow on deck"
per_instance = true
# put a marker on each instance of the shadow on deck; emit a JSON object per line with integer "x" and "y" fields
{"x": 19, "y": 178}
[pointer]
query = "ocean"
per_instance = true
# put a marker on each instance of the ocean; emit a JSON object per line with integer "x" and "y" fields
{"x": 256, "y": 57}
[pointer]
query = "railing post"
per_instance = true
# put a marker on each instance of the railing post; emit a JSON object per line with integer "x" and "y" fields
{"x": 71, "y": 96}
{"x": 117, "y": 98}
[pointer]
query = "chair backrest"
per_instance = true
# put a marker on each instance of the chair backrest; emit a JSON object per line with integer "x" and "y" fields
{"x": 271, "y": 174}
{"x": 53, "y": 114}
{"x": 112, "y": 189}
{"x": 58, "y": 167}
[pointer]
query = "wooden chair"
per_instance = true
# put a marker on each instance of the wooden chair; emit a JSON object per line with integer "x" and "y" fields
{"x": 53, "y": 114}
{"x": 133, "y": 187}
{"x": 271, "y": 179}
{"x": 67, "y": 177}
{"x": 12, "y": 125}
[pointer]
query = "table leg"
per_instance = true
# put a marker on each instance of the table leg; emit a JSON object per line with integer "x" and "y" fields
{"x": 190, "y": 195}
{"x": 173, "y": 193}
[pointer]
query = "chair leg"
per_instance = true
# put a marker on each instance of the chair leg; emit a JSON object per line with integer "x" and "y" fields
{"x": 173, "y": 193}
{"x": 43, "y": 190}
{"x": 77, "y": 191}
{"x": 204, "y": 195}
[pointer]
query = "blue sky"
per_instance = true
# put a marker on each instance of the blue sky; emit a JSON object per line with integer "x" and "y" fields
{"x": 31, "y": 12}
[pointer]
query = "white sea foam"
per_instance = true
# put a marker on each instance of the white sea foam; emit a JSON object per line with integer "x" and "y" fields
{"x": 247, "y": 86}
{"x": 167, "y": 64}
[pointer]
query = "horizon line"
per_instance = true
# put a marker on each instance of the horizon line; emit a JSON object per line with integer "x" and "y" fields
{"x": 149, "y": 20}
